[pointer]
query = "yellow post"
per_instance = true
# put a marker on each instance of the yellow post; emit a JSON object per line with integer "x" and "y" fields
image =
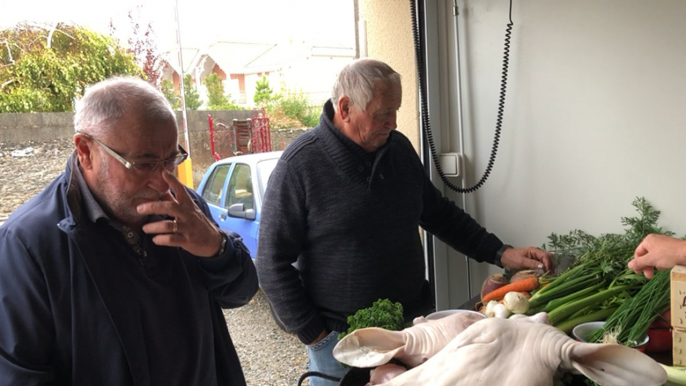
{"x": 186, "y": 173}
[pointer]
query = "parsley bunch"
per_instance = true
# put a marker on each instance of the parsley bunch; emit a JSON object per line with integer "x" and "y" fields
{"x": 383, "y": 313}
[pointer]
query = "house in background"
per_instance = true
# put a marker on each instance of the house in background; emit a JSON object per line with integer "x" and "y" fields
{"x": 169, "y": 65}
{"x": 289, "y": 67}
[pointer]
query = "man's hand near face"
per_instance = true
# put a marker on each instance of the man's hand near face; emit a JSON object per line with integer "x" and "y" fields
{"x": 190, "y": 229}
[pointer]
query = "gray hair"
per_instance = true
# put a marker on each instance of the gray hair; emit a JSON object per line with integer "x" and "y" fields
{"x": 359, "y": 79}
{"x": 105, "y": 103}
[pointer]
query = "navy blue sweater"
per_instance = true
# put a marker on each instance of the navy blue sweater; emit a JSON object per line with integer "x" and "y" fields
{"x": 80, "y": 308}
{"x": 351, "y": 219}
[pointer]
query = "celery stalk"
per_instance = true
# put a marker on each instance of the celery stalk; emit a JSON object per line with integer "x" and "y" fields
{"x": 569, "y": 324}
{"x": 675, "y": 375}
{"x": 553, "y": 304}
{"x": 560, "y": 313}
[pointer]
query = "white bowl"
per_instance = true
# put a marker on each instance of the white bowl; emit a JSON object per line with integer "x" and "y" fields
{"x": 581, "y": 331}
{"x": 444, "y": 313}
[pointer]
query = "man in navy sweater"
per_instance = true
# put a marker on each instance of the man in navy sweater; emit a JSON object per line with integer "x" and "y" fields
{"x": 115, "y": 274}
{"x": 345, "y": 201}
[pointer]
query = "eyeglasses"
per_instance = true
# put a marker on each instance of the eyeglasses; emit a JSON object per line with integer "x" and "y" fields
{"x": 148, "y": 166}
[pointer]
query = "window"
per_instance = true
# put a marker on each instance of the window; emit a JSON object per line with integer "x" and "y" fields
{"x": 240, "y": 187}
{"x": 264, "y": 170}
{"x": 213, "y": 190}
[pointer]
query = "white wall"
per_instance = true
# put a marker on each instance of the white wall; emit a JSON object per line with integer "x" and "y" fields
{"x": 593, "y": 115}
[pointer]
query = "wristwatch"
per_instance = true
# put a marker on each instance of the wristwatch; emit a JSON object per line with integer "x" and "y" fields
{"x": 499, "y": 255}
{"x": 222, "y": 247}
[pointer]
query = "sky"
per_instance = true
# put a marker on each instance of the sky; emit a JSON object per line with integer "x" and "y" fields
{"x": 201, "y": 22}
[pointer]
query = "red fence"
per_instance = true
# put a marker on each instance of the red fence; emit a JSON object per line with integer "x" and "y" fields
{"x": 261, "y": 135}
{"x": 242, "y": 136}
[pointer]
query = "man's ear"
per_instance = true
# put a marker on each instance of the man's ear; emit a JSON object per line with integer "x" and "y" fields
{"x": 84, "y": 151}
{"x": 344, "y": 107}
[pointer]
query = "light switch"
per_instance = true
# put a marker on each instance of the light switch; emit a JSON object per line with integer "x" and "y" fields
{"x": 450, "y": 163}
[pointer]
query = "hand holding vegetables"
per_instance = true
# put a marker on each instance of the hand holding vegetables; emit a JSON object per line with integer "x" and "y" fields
{"x": 516, "y": 259}
{"x": 658, "y": 251}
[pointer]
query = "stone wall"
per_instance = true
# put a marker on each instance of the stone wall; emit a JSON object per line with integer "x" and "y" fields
{"x": 17, "y": 129}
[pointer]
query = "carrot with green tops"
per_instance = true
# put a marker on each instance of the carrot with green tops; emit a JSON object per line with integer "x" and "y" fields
{"x": 524, "y": 285}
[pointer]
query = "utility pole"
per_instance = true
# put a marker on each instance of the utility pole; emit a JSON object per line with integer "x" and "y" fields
{"x": 185, "y": 169}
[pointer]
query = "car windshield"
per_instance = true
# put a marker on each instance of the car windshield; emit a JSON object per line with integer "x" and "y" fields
{"x": 264, "y": 170}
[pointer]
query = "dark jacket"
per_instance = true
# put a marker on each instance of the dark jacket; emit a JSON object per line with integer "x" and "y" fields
{"x": 351, "y": 220}
{"x": 70, "y": 313}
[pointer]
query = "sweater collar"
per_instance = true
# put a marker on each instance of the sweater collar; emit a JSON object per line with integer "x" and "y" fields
{"x": 350, "y": 157}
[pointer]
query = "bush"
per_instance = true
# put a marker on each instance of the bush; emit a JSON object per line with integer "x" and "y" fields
{"x": 297, "y": 107}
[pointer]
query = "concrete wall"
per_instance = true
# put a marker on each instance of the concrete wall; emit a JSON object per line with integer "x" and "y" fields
{"x": 21, "y": 128}
{"x": 40, "y": 127}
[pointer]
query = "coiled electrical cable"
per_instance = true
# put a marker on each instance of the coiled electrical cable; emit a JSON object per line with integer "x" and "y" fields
{"x": 419, "y": 56}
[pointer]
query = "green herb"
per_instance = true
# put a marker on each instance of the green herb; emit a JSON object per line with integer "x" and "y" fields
{"x": 383, "y": 313}
{"x": 634, "y": 316}
{"x": 598, "y": 262}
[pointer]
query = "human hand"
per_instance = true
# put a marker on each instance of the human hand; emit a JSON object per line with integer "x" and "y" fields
{"x": 321, "y": 336}
{"x": 190, "y": 229}
{"x": 516, "y": 259}
{"x": 658, "y": 251}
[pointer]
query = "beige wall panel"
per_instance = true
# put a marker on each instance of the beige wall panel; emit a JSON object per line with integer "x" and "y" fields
{"x": 389, "y": 38}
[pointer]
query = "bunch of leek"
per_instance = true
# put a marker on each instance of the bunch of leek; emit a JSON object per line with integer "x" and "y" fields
{"x": 598, "y": 282}
{"x": 632, "y": 319}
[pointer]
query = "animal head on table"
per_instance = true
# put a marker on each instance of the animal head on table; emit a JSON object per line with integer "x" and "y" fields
{"x": 528, "y": 352}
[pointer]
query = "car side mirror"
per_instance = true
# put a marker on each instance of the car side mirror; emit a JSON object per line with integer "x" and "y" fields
{"x": 239, "y": 211}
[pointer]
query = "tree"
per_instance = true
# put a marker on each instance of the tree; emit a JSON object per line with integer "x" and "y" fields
{"x": 167, "y": 88}
{"x": 191, "y": 93}
{"x": 143, "y": 47}
{"x": 46, "y": 70}
{"x": 263, "y": 93}
{"x": 217, "y": 100}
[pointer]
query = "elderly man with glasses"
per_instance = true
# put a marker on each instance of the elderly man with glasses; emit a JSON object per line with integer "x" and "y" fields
{"x": 115, "y": 274}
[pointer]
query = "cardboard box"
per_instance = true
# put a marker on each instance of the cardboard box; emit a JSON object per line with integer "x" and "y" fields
{"x": 678, "y": 297}
{"x": 678, "y": 347}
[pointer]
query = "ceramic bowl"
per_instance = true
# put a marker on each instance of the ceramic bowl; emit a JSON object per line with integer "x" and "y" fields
{"x": 582, "y": 330}
{"x": 444, "y": 313}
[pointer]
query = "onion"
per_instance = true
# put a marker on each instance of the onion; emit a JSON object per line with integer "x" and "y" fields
{"x": 525, "y": 274}
{"x": 492, "y": 283}
{"x": 490, "y": 308}
{"x": 500, "y": 311}
{"x": 516, "y": 302}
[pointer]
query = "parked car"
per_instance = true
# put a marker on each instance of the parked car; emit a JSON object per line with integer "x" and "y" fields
{"x": 234, "y": 188}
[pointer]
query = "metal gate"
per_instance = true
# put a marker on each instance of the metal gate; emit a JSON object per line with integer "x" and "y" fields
{"x": 242, "y": 136}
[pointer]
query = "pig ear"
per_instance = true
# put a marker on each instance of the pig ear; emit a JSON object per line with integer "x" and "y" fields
{"x": 369, "y": 347}
{"x": 613, "y": 364}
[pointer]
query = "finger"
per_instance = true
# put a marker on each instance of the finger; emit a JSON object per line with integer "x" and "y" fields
{"x": 169, "y": 240}
{"x": 179, "y": 189}
{"x": 161, "y": 227}
{"x": 168, "y": 196}
{"x": 640, "y": 250}
{"x": 169, "y": 208}
{"x": 648, "y": 272}
{"x": 533, "y": 264}
{"x": 633, "y": 265}
{"x": 544, "y": 257}
{"x": 548, "y": 265}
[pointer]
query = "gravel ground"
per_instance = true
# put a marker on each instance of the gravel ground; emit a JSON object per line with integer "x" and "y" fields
{"x": 270, "y": 357}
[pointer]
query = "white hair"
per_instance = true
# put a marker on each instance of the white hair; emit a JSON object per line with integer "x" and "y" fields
{"x": 106, "y": 102}
{"x": 359, "y": 79}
